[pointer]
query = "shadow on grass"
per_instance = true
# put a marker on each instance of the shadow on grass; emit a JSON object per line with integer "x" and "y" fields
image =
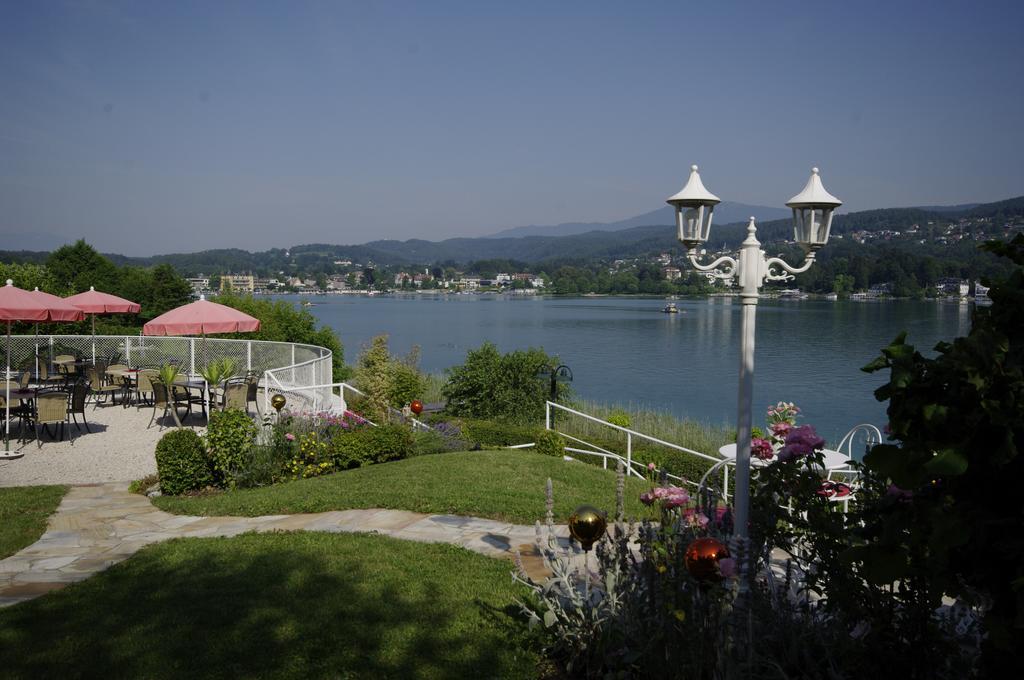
{"x": 280, "y": 605}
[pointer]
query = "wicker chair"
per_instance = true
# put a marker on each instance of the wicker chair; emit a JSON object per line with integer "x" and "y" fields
{"x": 51, "y": 408}
{"x": 252, "y": 384}
{"x": 144, "y": 383}
{"x": 163, "y": 400}
{"x": 235, "y": 396}
{"x": 45, "y": 377}
{"x": 76, "y": 403}
{"x": 101, "y": 388}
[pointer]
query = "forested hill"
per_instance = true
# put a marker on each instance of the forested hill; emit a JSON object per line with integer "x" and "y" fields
{"x": 978, "y": 220}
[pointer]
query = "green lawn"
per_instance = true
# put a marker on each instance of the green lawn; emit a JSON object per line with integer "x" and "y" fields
{"x": 286, "y": 605}
{"x": 506, "y": 485}
{"x": 23, "y": 513}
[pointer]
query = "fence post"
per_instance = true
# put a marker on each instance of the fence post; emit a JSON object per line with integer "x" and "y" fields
{"x": 248, "y": 356}
{"x": 128, "y": 350}
{"x": 293, "y": 364}
{"x": 725, "y": 483}
{"x": 629, "y": 453}
{"x": 547, "y": 415}
{"x": 192, "y": 356}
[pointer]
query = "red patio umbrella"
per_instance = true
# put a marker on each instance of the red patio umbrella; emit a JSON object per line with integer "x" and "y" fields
{"x": 21, "y": 305}
{"x": 94, "y": 302}
{"x": 60, "y": 310}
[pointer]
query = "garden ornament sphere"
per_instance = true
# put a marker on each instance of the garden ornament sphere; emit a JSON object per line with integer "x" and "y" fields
{"x": 278, "y": 402}
{"x": 416, "y": 406}
{"x": 587, "y": 525}
{"x": 702, "y": 558}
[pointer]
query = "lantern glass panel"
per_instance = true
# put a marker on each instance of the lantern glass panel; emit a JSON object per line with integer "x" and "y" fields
{"x": 811, "y": 226}
{"x": 694, "y": 224}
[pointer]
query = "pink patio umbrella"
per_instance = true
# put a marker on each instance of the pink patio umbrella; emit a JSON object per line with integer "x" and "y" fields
{"x": 21, "y": 305}
{"x": 202, "y": 317}
{"x": 56, "y": 305}
{"x": 94, "y": 302}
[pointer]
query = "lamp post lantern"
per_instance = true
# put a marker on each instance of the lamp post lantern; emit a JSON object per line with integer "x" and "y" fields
{"x": 812, "y": 221}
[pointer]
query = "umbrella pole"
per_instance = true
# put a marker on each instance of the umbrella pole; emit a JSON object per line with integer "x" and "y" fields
{"x": 37, "y": 352}
{"x": 7, "y": 396}
{"x": 93, "y": 339}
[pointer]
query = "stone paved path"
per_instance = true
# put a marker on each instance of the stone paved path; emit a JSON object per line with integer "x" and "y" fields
{"x": 100, "y": 525}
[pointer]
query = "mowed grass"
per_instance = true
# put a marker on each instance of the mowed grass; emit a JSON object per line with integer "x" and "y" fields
{"x": 286, "y": 605}
{"x": 505, "y": 485}
{"x": 23, "y": 513}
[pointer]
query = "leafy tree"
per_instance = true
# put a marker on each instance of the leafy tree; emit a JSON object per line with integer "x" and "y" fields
{"x": 283, "y": 321}
{"x": 505, "y": 387}
{"x": 388, "y": 381}
{"x": 953, "y": 523}
{"x": 76, "y": 267}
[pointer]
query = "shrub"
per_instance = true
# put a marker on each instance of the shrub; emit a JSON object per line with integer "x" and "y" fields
{"x": 182, "y": 463}
{"x": 370, "y": 445}
{"x": 493, "y": 385}
{"x": 550, "y": 443}
{"x": 264, "y": 465}
{"x": 313, "y": 457}
{"x": 229, "y": 437}
{"x": 497, "y": 433}
{"x": 388, "y": 381}
{"x": 620, "y": 418}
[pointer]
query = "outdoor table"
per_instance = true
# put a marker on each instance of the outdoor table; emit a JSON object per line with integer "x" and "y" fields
{"x": 190, "y": 385}
{"x": 834, "y": 460}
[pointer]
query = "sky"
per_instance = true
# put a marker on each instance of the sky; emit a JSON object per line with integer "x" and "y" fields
{"x": 156, "y": 127}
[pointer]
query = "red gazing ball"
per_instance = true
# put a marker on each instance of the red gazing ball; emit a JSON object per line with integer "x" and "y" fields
{"x": 702, "y": 558}
{"x": 416, "y": 406}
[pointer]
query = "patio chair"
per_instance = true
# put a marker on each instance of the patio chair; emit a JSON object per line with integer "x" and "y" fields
{"x": 100, "y": 387}
{"x": 51, "y": 408}
{"x": 76, "y": 403}
{"x": 870, "y": 434}
{"x": 163, "y": 401}
{"x": 45, "y": 376}
{"x": 25, "y": 380}
{"x": 252, "y": 383}
{"x": 235, "y": 396}
{"x": 144, "y": 384}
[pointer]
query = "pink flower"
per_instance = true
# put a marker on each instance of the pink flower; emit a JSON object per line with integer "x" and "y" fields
{"x": 290, "y": 437}
{"x": 651, "y": 466}
{"x": 697, "y": 520}
{"x": 727, "y": 567}
{"x": 781, "y": 429}
{"x": 647, "y": 498}
{"x": 761, "y": 448}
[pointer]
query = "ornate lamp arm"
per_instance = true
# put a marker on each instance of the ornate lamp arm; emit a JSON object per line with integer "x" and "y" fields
{"x": 722, "y": 268}
{"x": 773, "y": 263}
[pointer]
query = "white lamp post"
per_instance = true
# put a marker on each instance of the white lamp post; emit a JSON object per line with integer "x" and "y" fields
{"x": 812, "y": 217}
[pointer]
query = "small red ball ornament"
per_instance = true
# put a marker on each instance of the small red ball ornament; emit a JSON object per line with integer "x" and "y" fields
{"x": 702, "y": 558}
{"x": 416, "y": 406}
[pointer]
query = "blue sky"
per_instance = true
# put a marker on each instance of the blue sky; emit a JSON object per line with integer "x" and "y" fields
{"x": 150, "y": 127}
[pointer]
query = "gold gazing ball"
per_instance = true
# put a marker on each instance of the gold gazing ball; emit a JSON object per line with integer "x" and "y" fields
{"x": 702, "y": 558}
{"x": 278, "y": 402}
{"x": 587, "y": 525}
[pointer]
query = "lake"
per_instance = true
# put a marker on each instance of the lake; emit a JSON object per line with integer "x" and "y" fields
{"x": 624, "y": 350}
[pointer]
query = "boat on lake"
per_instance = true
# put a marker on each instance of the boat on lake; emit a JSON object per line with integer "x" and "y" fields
{"x": 670, "y": 308}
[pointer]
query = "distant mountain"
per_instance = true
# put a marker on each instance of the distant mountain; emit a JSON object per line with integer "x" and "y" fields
{"x": 725, "y": 213}
{"x": 948, "y": 209}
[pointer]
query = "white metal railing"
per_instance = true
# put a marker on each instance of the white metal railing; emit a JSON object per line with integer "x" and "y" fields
{"x": 311, "y": 398}
{"x": 630, "y": 463}
{"x": 299, "y": 369}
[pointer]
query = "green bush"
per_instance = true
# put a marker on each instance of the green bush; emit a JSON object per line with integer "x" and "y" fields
{"x": 387, "y": 381}
{"x": 263, "y": 465}
{"x": 229, "y": 438}
{"x": 550, "y": 443}
{"x": 497, "y": 433}
{"x": 426, "y": 442}
{"x": 493, "y": 385}
{"x": 369, "y": 445}
{"x": 620, "y": 418}
{"x": 182, "y": 463}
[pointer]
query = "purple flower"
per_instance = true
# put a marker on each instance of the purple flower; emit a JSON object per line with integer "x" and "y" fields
{"x": 801, "y": 441}
{"x": 727, "y": 567}
{"x": 902, "y": 495}
{"x": 290, "y": 437}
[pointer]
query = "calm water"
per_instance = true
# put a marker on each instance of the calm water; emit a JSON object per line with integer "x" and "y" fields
{"x": 623, "y": 350}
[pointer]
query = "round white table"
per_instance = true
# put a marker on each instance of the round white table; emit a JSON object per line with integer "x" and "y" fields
{"x": 833, "y": 459}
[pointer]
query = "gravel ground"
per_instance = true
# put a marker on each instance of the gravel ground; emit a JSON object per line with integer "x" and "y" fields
{"x": 120, "y": 448}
